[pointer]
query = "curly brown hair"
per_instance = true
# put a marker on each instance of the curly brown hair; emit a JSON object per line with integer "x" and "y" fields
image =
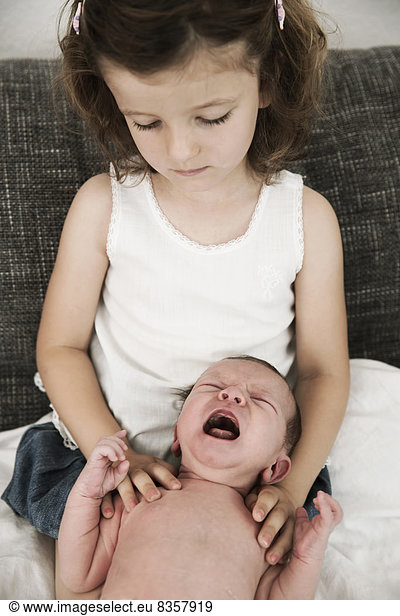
{"x": 145, "y": 37}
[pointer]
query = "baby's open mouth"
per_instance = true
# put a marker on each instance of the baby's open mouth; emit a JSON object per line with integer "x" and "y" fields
{"x": 222, "y": 426}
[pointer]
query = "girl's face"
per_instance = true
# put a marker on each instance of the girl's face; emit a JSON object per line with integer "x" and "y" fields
{"x": 193, "y": 125}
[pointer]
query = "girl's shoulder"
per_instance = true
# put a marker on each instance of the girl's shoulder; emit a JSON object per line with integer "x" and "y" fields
{"x": 93, "y": 199}
{"x": 96, "y": 189}
{"x": 89, "y": 215}
{"x": 317, "y": 210}
{"x": 321, "y": 227}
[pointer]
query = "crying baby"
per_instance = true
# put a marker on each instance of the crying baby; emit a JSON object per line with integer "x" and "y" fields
{"x": 238, "y": 426}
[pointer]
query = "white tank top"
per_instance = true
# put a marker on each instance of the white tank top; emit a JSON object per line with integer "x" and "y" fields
{"x": 170, "y": 307}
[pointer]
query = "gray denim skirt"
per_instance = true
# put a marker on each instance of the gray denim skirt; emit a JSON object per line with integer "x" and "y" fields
{"x": 44, "y": 473}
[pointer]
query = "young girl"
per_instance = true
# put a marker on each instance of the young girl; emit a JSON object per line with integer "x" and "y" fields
{"x": 196, "y": 246}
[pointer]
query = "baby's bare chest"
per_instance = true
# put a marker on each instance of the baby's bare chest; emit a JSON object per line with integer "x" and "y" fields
{"x": 198, "y": 542}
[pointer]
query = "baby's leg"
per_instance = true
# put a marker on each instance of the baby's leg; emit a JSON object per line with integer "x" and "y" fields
{"x": 62, "y": 592}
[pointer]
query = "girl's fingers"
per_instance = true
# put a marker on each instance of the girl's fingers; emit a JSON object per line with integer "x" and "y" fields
{"x": 107, "y": 506}
{"x": 163, "y": 476}
{"x": 145, "y": 484}
{"x": 170, "y": 467}
{"x": 266, "y": 501}
{"x": 127, "y": 493}
{"x": 250, "y": 501}
{"x": 282, "y": 544}
{"x": 275, "y": 521}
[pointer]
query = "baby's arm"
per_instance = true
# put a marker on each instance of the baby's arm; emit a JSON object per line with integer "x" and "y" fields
{"x": 85, "y": 552}
{"x": 299, "y": 579}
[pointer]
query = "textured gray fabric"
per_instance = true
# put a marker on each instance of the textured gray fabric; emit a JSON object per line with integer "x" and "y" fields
{"x": 353, "y": 159}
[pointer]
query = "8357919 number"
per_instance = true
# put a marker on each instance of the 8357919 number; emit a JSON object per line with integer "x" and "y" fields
{"x": 184, "y": 606}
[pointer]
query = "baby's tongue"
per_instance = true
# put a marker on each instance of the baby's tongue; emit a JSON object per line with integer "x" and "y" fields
{"x": 220, "y": 433}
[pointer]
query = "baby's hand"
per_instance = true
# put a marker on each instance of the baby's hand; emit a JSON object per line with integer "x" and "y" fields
{"x": 273, "y": 505}
{"x": 106, "y": 467}
{"x": 311, "y": 537}
{"x": 143, "y": 471}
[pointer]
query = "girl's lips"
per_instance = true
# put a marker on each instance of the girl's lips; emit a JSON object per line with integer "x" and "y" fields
{"x": 190, "y": 172}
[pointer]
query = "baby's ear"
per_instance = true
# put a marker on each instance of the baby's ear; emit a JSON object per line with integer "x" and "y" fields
{"x": 277, "y": 471}
{"x": 176, "y": 447}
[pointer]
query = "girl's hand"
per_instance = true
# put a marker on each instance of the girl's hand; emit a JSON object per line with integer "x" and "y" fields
{"x": 143, "y": 471}
{"x": 273, "y": 505}
{"x": 311, "y": 537}
{"x": 106, "y": 467}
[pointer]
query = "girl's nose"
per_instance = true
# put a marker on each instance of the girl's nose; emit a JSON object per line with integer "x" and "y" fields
{"x": 233, "y": 394}
{"x": 182, "y": 147}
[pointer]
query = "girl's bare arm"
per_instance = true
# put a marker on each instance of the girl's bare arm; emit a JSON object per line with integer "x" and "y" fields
{"x": 68, "y": 316}
{"x": 323, "y": 371}
{"x": 66, "y": 328}
{"x": 321, "y": 344}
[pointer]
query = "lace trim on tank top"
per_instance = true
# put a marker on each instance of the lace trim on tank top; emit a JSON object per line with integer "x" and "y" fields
{"x": 180, "y": 237}
{"x": 67, "y": 438}
{"x": 115, "y": 213}
{"x": 299, "y": 226}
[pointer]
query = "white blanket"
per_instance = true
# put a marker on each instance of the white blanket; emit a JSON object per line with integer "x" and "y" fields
{"x": 363, "y": 557}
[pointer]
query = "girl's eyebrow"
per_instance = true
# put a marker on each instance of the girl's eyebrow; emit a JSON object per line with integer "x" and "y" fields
{"x": 213, "y": 103}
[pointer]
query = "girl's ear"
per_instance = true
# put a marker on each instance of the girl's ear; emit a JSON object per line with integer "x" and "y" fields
{"x": 263, "y": 100}
{"x": 176, "y": 448}
{"x": 277, "y": 471}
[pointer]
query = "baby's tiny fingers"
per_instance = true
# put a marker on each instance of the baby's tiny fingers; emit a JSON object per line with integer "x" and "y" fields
{"x": 329, "y": 508}
{"x": 121, "y": 434}
{"x": 301, "y": 515}
{"x": 111, "y": 448}
{"x": 120, "y": 471}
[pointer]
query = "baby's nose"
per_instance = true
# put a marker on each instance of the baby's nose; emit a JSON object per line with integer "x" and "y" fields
{"x": 233, "y": 394}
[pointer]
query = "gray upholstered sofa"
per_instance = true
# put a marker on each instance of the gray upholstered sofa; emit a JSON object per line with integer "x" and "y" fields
{"x": 353, "y": 159}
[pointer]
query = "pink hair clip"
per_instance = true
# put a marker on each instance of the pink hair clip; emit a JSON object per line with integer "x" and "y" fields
{"x": 280, "y": 11}
{"x": 77, "y": 17}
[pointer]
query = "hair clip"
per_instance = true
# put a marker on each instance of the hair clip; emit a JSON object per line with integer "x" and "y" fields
{"x": 280, "y": 11}
{"x": 77, "y": 17}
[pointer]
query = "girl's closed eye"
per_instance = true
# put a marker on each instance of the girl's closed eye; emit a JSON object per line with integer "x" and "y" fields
{"x": 217, "y": 121}
{"x": 151, "y": 126}
{"x": 203, "y": 121}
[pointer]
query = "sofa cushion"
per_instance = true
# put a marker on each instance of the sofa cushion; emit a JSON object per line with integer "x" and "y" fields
{"x": 353, "y": 159}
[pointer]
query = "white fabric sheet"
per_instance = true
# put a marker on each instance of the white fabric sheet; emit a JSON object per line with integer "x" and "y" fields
{"x": 363, "y": 557}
